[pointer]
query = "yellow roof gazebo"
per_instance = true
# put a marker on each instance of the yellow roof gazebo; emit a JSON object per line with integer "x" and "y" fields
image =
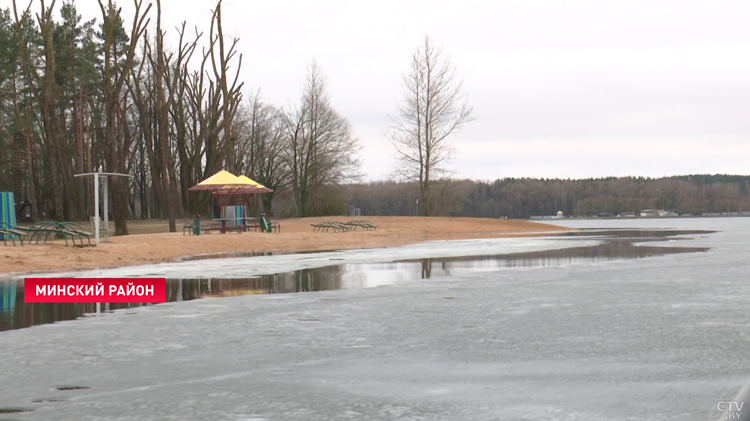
{"x": 224, "y": 184}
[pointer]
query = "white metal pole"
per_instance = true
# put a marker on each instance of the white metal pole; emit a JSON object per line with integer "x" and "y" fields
{"x": 96, "y": 208}
{"x": 105, "y": 187}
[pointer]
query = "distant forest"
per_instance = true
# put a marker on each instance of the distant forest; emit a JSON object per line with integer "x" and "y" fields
{"x": 108, "y": 95}
{"x": 526, "y": 197}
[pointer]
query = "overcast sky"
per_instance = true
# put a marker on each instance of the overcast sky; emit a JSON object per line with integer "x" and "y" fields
{"x": 568, "y": 89}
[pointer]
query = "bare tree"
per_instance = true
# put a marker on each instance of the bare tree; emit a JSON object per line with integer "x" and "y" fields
{"x": 119, "y": 53}
{"x": 199, "y": 145}
{"x": 230, "y": 95}
{"x": 260, "y": 146}
{"x": 168, "y": 72}
{"x": 157, "y": 92}
{"x": 433, "y": 107}
{"x": 322, "y": 149}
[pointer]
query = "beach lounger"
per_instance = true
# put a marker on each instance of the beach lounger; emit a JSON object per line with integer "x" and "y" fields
{"x": 78, "y": 231}
{"x": 363, "y": 225}
{"x": 8, "y": 232}
{"x": 7, "y": 235}
{"x": 41, "y": 231}
{"x": 327, "y": 226}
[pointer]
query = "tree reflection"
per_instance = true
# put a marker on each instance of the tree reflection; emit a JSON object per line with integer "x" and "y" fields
{"x": 16, "y": 314}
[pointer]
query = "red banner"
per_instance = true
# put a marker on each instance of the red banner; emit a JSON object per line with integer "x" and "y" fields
{"x": 95, "y": 290}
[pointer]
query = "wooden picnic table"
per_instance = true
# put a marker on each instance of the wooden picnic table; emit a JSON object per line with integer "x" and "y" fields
{"x": 245, "y": 224}
{"x": 227, "y": 228}
{"x": 236, "y": 222}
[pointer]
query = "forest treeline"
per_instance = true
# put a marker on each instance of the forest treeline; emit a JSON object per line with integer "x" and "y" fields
{"x": 107, "y": 95}
{"x": 526, "y": 197}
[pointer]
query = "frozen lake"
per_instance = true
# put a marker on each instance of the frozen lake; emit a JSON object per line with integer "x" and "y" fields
{"x": 235, "y": 274}
{"x": 649, "y": 337}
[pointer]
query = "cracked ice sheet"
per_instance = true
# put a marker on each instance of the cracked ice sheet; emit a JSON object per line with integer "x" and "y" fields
{"x": 662, "y": 338}
{"x": 244, "y": 267}
{"x": 612, "y": 340}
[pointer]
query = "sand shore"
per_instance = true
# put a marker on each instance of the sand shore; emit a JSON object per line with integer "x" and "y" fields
{"x": 296, "y": 235}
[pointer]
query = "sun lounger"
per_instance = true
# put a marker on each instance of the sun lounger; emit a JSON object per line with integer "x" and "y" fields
{"x": 79, "y": 231}
{"x": 327, "y": 226}
{"x": 363, "y": 225}
{"x": 343, "y": 226}
{"x": 8, "y": 235}
{"x": 8, "y": 232}
{"x": 41, "y": 231}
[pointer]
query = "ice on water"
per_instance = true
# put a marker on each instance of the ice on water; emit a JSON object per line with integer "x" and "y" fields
{"x": 662, "y": 338}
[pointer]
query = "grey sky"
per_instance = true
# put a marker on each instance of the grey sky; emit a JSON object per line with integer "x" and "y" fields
{"x": 560, "y": 89}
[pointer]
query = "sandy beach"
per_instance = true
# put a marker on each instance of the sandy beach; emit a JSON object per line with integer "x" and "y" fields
{"x": 296, "y": 235}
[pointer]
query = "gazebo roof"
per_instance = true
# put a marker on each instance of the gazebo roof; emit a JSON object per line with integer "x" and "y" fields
{"x": 248, "y": 186}
{"x": 250, "y": 181}
{"x": 218, "y": 180}
{"x": 226, "y": 183}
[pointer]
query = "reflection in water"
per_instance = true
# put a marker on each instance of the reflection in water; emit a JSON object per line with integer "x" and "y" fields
{"x": 614, "y": 249}
{"x": 632, "y": 233}
{"x": 15, "y": 314}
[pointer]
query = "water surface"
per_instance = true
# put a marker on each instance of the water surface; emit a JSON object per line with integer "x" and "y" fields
{"x": 616, "y": 245}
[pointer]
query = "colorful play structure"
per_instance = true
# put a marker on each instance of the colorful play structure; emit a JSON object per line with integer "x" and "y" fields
{"x": 7, "y": 296}
{"x": 7, "y": 208}
{"x": 7, "y": 213}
